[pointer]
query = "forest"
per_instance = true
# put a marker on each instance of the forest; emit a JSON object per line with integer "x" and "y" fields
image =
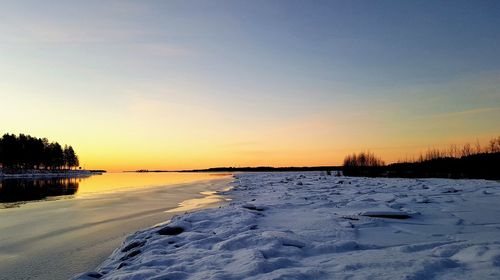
{"x": 22, "y": 152}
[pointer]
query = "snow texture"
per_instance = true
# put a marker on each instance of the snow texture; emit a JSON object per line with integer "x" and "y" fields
{"x": 311, "y": 226}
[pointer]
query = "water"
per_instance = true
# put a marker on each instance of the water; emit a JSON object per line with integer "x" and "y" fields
{"x": 67, "y": 226}
{"x": 14, "y": 192}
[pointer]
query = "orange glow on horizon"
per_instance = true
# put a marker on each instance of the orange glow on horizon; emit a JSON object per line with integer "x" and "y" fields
{"x": 161, "y": 85}
{"x": 276, "y": 157}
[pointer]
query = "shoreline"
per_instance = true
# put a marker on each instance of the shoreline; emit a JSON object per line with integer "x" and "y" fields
{"x": 304, "y": 225}
{"x": 50, "y": 174}
{"x": 80, "y": 233}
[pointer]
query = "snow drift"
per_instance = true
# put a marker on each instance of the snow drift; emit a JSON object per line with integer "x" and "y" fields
{"x": 310, "y": 226}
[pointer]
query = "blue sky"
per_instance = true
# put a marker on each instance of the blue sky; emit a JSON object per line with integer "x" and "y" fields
{"x": 281, "y": 82}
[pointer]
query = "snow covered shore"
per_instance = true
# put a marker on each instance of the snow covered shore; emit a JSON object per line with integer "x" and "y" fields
{"x": 309, "y": 226}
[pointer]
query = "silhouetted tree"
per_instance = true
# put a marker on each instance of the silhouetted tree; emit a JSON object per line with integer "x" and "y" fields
{"x": 26, "y": 152}
{"x": 467, "y": 161}
{"x": 495, "y": 145}
{"x": 363, "y": 164}
{"x": 363, "y": 159}
{"x": 70, "y": 158}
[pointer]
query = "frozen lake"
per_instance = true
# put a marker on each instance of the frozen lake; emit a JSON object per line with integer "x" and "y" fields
{"x": 64, "y": 233}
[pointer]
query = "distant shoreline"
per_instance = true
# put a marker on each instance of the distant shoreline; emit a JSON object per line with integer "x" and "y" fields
{"x": 249, "y": 169}
{"x": 42, "y": 174}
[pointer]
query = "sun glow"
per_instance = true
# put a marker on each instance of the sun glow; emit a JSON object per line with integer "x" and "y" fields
{"x": 142, "y": 88}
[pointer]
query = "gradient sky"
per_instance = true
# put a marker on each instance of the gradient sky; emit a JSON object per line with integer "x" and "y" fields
{"x": 195, "y": 84}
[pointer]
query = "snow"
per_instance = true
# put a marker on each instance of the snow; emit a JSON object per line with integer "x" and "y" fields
{"x": 310, "y": 226}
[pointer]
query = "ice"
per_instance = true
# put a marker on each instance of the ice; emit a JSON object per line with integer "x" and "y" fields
{"x": 313, "y": 226}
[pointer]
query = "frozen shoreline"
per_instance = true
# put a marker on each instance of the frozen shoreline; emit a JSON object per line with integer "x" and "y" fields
{"x": 55, "y": 239}
{"x": 48, "y": 175}
{"x": 308, "y": 226}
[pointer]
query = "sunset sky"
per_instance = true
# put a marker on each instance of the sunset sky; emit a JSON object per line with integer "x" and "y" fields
{"x": 196, "y": 84}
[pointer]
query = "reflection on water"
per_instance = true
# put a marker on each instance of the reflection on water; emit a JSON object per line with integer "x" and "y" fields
{"x": 23, "y": 190}
{"x": 111, "y": 182}
{"x": 15, "y": 190}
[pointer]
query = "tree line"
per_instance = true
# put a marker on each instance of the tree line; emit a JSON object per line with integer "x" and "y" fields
{"x": 362, "y": 159}
{"x": 24, "y": 152}
{"x": 454, "y": 151}
{"x": 467, "y": 161}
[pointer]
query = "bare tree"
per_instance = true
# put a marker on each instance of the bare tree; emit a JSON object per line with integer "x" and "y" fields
{"x": 363, "y": 159}
{"x": 466, "y": 150}
{"x": 478, "y": 147}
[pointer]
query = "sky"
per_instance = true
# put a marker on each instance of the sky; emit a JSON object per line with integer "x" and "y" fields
{"x": 196, "y": 84}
